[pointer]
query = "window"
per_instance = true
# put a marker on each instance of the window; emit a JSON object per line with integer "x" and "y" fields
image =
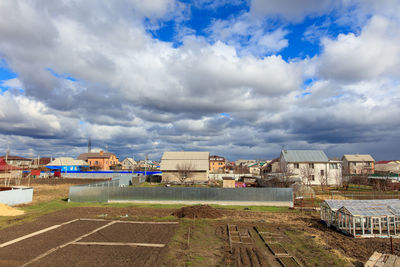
{"x": 296, "y": 165}
{"x": 333, "y": 166}
{"x": 96, "y": 162}
{"x": 322, "y": 172}
{"x": 313, "y": 177}
{"x": 311, "y": 165}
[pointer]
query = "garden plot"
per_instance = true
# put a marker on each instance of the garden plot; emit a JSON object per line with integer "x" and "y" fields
{"x": 90, "y": 242}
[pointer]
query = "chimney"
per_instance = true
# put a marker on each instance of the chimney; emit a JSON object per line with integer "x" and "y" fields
{"x": 101, "y": 153}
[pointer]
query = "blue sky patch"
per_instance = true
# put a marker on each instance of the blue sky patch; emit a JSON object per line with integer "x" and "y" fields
{"x": 62, "y": 76}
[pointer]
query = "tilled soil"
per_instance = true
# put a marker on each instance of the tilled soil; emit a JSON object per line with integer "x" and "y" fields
{"x": 135, "y": 233}
{"x": 198, "y": 211}
{"x": 65, "y": 215}
{"x": 18, "y": 253}
{"x": 245, "y": 255}
{"x": 358, "y": 248}
{"x": 355, "y": 249}
{"x": 83, "y": 256}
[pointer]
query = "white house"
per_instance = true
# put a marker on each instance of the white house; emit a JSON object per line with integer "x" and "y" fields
{"x": 128, "y": 164}
{"x": 312, "y": 166}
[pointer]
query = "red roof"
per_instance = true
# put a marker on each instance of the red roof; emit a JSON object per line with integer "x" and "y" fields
{"x": 42, "y": 161}
{"x": 5, "y": 167}
{"x": 384, "y": 161}
{"x": 9, "y": 157}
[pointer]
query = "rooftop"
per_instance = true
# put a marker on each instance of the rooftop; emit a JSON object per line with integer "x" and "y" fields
{"x": 304, "y": 156}
{"x": 371, "y": 207}
{"x": 10, "y": 157}
{"x": 101, "y": 154}
{"x": 66, "y": 161}
{"x": 358, "y": 157}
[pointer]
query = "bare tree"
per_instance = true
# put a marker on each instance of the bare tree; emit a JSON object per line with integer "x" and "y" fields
{"x": 346, "y": 177}
{"x": 323, "y": 180}
{"x": 337, "y": 174}
{"x": 287, "y": 175}
{"x": 307, "y": 175}
{"x": 185, "y": 171}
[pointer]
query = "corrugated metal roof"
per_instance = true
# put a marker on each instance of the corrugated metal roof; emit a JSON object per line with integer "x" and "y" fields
{"x": 198, "y": 161}
{"x": 304, "y": 156}
{"x": 357, "y": 157}
{"x": 66, "y": 161}
{"x": 354, "y": 205}
{"x": 373, "y": 211}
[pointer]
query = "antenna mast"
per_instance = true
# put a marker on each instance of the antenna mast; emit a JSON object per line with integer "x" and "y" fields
{"x": 89, "y": 144}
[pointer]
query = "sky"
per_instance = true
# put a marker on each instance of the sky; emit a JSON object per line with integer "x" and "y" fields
{"x": 238, "y": 78}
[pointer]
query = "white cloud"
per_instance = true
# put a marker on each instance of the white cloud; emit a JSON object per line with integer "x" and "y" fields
{"x": 14, "y": 83}
{"x": 139, "y": 94}
{"x": 249, "y": 35}
{"x": 372, "y": 54}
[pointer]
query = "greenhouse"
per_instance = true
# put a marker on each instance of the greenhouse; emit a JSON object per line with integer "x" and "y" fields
{"x": 363, "y": 218}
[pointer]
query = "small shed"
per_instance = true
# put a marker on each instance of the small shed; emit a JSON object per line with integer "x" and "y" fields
{"x": 228, "y": 182}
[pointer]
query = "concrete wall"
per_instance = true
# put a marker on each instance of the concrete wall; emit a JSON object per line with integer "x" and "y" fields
{"x": 218, "y": 177}
{"x": 16, "y": 196}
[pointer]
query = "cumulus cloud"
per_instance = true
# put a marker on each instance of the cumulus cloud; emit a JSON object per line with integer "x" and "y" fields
{"x": 93, "y": 69}
{"x": 373, "y": 53}
{"x": 249, "y": 35}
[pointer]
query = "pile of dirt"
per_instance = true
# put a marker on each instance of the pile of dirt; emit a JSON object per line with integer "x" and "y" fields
{"x": 9, "y": 211}
{"x": 198, "y": 211}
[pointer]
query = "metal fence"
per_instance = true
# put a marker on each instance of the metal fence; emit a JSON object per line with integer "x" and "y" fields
{"x": 94, "y": 192}
{"x": 364, "y": 195}
{"x": 111, "y": 191}
{"x": 16, "y": 196}
{"x": 92, "y": 175}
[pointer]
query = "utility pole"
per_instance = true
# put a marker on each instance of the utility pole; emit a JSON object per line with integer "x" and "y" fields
{"x": 145, "y": 164}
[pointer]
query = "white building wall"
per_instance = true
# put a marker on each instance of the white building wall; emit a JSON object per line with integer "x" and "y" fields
{"x": 334, "y": 175}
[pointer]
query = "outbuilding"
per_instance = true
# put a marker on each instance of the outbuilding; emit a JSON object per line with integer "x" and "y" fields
{"x": 185, "y": 166}
{"x": 66, "y": 164}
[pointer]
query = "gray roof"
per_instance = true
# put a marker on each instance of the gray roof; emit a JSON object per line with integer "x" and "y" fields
{"x": 304, "y": 156}
{"x": 371, "y": 207}
{"x": 373, "y": 211}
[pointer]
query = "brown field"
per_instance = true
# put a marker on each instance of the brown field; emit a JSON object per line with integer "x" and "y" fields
{"x": 194, "y": 242}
